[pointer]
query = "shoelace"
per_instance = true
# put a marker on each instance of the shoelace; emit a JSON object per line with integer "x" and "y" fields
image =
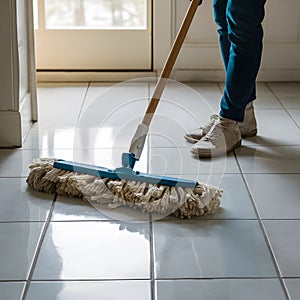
{"x": 216, "y": 130}
{"x": 213, "y": 119}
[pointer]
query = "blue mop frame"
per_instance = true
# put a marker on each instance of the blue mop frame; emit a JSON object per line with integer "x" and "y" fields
{"x": 126, "y": 172}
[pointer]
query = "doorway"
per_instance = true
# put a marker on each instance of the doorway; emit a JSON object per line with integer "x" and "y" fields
{"x": 95, "y": 35}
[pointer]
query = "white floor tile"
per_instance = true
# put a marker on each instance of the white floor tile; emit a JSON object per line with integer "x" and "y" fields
{"x": 59, "y": 106}
{"x": 293, "y": 286}
{"x": 116, "y": 118}
{"x": 235, "y": 201}
{"x": 183, "y": 108}
{"x": 197, "y": 101}
{"x": 125, "y": 95}
{"x": 11, "y": 290}
{"x": 17, "y": 247}
{"x": 269, "y": 159}
{"x": 169, "y": 131}
{"x": 275, "y": 128}
{"x": 50, "y": 138}
{"x": 229, "y": 289}
{"x": 74, "y": 209}
{"x": 21, "y": 203}
{"x": 94, "y": 250}
{"x": 181, "y": 161}
{"x": 15, "y": 163}
{"x": 209, "y": 90}
{"x": 295, "y": 113}
{"x": 112, "y": 290}
{"x": 108, "y": 136}
{"x": 71, "y": 209}
{"x": 210, "y": 249}
{"x": 276, "y": 195}
{"x": 288, "y": 93}
{"x": 285, "y": 241}
{"x": 212, "y": 94}
{"x": 265, "y": 98}
{"x": 94, "y": 123}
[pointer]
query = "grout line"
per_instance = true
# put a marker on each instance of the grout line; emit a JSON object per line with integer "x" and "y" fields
{"x": 268, "y": 243}
{"x": 202, "y": 219}
{"x": 273, "y": 173}
{"x": 12, "y": 280}
{"x": 91, "y": 280}
{"x": 152, "y": 271}
{"x": 281, "y": 219}
{"x": 17, "y": 221}
{"x": 38, "y": 249}
{"x": 151, "y": 241}
{"x": 149, "y": 134}
{"x": 285, "y": 108}
{"x": 82, "y": 104}
{"x": 275, "y": 96}
{"x": 290, "y": 115}
{"x": 215, "y": 278}
{"x": 146, "y": 280}
{"x": 170, "y": 218}
{"x": 173, "y": 219}
{"x": 13, "y": 177}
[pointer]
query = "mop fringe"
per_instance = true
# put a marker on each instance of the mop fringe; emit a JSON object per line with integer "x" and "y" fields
{"x": 181, "y": 202}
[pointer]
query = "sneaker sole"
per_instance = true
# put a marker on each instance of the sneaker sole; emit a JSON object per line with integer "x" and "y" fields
{"x": 190, "y": 139}
{"x": 209, "y": 154}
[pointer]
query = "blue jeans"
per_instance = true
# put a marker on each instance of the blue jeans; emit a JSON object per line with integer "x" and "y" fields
{"x": 240, "y": 36}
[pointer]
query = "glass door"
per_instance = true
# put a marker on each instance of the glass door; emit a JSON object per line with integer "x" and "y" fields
{"x": 93, "y": 34}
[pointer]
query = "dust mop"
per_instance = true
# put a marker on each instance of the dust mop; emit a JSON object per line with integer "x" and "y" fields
{"x": 123, "y": 186}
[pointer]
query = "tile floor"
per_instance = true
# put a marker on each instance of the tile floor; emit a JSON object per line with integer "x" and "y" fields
{"x": 59, "y": 248}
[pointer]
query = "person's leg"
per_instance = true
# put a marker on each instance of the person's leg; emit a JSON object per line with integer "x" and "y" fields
{"x": 248, "y": 127}
{"x": 219, "y": 8}
{"x": 245, "y": 33}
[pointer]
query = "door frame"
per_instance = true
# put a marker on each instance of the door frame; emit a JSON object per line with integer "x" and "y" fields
{"x": 90, "y": 73}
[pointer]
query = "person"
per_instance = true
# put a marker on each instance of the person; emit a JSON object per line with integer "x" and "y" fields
{"x": 241, "y": 42}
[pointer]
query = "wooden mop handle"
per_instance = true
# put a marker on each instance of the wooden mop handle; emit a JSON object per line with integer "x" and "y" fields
{"x": 167, "y": 69}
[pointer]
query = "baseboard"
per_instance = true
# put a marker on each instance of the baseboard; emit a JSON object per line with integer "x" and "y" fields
{"x": 279, "y": 75}
{"x": 10, "y": 133}
{"x": 197, "y": 75}
{"x": 100, "y": 76}
{"x": 15, "y": 125}
{"x": 219, "y": 75}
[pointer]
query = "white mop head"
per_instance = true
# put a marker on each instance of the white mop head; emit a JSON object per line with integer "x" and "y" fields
{"x": 181, "y": 202}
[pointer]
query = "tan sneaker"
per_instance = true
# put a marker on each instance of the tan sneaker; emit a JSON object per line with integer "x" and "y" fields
{"x": 223, "y": 137}
{"x": 194, "y": 135}
{"x": 248, "y": 127}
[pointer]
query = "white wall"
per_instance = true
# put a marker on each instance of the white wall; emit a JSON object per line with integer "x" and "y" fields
{"x": 17, "y": 72}
{"x": 8, "y": 61}
{"x": 200, "y": 57}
